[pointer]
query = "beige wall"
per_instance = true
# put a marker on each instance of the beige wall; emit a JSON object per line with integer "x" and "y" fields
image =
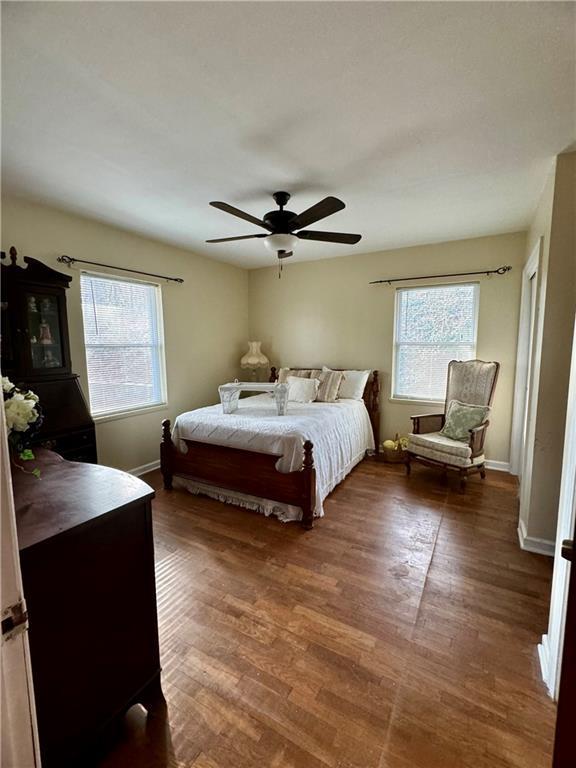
{"x": 324, "y": 312}
{"x": 205, "y": 319}
{"x": 554, "y": 221}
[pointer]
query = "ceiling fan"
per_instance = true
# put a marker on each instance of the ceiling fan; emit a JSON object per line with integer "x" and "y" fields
{"x": 282, "y": 225}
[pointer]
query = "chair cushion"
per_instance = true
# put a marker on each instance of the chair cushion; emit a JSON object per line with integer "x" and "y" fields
{"x": 438, "y": 447}
{"x": 439, "y": 442}
{"x": 461, "y": 418}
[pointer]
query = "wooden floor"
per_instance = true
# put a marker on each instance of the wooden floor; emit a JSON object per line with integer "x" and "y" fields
{"x": 400, "y": 633}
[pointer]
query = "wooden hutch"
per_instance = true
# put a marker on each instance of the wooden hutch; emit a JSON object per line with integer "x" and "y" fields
{"x": 36, "y": 355}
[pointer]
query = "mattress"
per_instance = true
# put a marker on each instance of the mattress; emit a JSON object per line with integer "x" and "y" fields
{"x": 341, "y": 433}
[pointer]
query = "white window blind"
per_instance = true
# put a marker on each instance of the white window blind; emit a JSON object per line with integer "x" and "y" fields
{"x": 124, "y": 343}
{"x": 433, "y": 325}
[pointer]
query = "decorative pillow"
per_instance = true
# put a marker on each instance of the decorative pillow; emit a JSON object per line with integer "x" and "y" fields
{"x": 329, "y": 384}
{"x": 461, "y": 418}
{"x": 353, "y": 384}
{"x": 301, "y": 390}
{"x": 283, "y": 374}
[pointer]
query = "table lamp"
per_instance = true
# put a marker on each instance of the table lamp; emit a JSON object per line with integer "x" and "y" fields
{"x": 254, "y": 358}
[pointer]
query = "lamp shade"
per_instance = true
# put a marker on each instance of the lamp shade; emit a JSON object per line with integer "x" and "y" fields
{"x": 280, "y": 242}
{"x": 254, "y": 358}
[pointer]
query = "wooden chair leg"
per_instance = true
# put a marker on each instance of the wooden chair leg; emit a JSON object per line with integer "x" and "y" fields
{"x": 408, "y": 465}
{"x": 483, "y": 472}
{"x": 463, "y": 478}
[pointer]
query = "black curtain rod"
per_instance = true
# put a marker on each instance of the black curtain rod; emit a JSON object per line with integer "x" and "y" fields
{"x": 71, "y": 260}
{"x": 499, "y": 271}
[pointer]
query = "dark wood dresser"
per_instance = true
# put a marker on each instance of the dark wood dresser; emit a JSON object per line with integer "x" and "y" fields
{"x": 87, "y": 558}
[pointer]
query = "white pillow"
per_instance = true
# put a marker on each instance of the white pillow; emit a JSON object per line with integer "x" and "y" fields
{"x": 302, "y": 390}
{"x": 353, "y": 384}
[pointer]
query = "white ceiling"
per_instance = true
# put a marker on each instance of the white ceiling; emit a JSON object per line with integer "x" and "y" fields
{"x": 432, "y": 121}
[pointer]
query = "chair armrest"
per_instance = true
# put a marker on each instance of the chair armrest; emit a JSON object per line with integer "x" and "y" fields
{"x": 477, "y": 436}
{"x": 427, "y": 422}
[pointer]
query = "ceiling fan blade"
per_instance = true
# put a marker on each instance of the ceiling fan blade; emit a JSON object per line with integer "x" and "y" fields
{"x": 228, "y": 239}
{"x": 241, "y": 214}
{"x": 324, "y": 208}
{"x": 329, "y": 237}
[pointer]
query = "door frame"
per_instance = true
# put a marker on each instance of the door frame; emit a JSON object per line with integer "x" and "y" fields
{"x": 525, "y": 359}
{"x": 551, "y": 648}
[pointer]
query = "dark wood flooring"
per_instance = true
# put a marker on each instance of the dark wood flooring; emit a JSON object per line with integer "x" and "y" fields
{"x": 400, "y": 633}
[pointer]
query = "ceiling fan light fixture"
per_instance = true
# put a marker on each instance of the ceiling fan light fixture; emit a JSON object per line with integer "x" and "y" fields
{"x": 280, "y": 242}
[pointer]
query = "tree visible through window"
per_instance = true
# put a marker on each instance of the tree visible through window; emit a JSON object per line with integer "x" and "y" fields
{"x": 124, "y": 343}
{"x": 433, "y": 325}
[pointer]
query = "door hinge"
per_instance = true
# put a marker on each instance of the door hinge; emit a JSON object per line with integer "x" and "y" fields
{"x": 568, "y": 549}
{"x": 14, "y": 620}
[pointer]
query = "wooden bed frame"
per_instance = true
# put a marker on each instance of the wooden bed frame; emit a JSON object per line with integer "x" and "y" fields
{"x": 255, "y": 474}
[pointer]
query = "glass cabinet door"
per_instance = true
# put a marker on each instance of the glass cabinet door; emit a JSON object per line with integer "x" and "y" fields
{"x": 43, "y": 326}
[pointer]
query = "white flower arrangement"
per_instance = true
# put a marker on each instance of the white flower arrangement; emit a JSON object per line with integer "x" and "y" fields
{"x": 23, "y": 418}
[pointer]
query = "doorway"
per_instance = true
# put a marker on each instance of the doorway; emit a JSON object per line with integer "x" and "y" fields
{"x": 526, "y": 364}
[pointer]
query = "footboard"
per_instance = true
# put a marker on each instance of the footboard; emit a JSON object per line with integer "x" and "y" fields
{"x": 248, "y": 472}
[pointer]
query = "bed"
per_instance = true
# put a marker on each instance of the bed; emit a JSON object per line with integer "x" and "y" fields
{"x": 280, "y": 465}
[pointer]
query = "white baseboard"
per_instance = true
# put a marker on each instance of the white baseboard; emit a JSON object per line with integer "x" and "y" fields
{"x": 500, "y": 466}
{"x": 533, "y": 544}
{"x": 145, "y": 468}
{"x": 544, "y": 656}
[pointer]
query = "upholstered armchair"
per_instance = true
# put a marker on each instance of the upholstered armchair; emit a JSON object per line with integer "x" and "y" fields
{"x": 472, "y": 382}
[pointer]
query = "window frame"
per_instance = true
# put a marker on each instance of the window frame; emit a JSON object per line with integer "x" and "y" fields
{"x": 418, "y": 399}
{"x": 120, "y": 413}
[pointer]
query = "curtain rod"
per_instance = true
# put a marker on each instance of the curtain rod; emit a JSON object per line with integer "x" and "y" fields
{"x": 499, "y": 271}
{"x": 71, "y": 260}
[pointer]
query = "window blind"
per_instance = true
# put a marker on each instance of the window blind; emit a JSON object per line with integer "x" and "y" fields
{"x": 434, "y": 325}
{"x": 124, "y": 343}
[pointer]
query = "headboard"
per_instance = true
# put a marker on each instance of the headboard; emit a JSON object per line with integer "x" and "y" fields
{"x": 371, "y": 396}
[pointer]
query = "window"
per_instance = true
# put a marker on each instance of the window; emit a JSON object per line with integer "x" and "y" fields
{"x": 124, "y": 343}
{"x": 434, "y": 325}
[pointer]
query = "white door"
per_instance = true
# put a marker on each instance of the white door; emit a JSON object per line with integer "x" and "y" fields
{"x": 18, "y": 733}
{"x": 551, "y": 648}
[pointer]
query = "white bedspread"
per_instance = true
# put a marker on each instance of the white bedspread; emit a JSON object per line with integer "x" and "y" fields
{"x": 341, "y": 433}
